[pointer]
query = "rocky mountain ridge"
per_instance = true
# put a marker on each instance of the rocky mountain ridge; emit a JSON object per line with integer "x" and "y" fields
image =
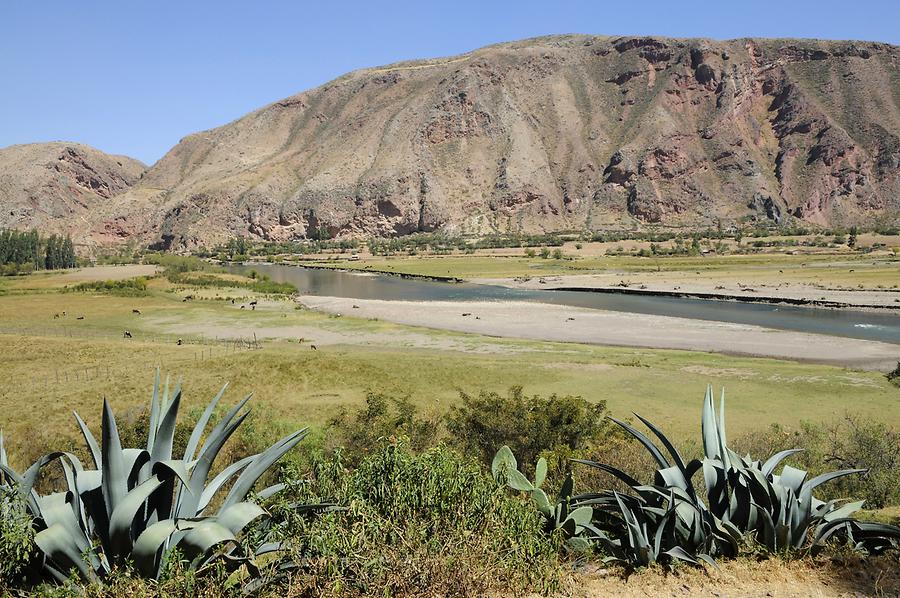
{"x": 58, "y": 187}
{"x": 554, "y": 133}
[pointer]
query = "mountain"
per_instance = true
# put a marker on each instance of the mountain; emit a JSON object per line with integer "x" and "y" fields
{"x": 58, "y": 187}
{"x": 554, "y": 133}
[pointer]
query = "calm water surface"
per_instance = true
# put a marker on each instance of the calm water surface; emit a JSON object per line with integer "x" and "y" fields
{"x": 330, "y": 283}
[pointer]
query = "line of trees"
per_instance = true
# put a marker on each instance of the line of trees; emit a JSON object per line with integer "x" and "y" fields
{"x": 25, "y": 251}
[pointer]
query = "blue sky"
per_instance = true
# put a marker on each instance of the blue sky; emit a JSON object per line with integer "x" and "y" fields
{"x": 134, "y": 77}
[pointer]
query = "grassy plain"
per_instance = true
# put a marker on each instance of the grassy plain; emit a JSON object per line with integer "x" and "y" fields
{"x": 53, "y": 365}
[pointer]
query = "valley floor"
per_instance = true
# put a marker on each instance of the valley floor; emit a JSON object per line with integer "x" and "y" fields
{"x": 54, "y": 365}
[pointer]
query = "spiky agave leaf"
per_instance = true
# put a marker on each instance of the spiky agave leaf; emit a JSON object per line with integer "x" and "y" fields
{"x": 140, "y": 502}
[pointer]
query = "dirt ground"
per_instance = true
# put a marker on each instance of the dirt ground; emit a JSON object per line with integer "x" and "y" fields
{"x": 774, "y": 578}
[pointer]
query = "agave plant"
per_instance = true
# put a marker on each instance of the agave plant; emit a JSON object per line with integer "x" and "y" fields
{"x": 572, "y": 521}
{"x": 662, "y": 522}
{"x": 778, "y": 509}
{"x": 135, "y": 505}
{"x": 741, "y": 499}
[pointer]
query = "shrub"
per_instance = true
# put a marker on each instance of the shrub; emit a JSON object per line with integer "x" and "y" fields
{"x": 556, "y": 426}
{"x": 382, "y": 417}
{"x": 894, "y": 375}
{"x": 416, "y": 524}
{"x": 258, "y": 284}
{"x": 130, "y": 287}
{"x": 16, "y": 536}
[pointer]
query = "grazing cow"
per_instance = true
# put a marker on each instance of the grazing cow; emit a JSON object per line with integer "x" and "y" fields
{"x": 80, "y": 318}
{"x": 232, "y": 300}
{"x": 179, "y": 342}
{"x": 467, "y": 314}
{"x": 136, "y": 311}
{"x": 126, "y": 335}
{"x": 243, "y": 307}
{"x": 64, "y": 314}
{"x": 55, "y": 316}
{"x": 355, "y": 307}
{"x": 253, "y": 303}
{"x": 313, "y": 347}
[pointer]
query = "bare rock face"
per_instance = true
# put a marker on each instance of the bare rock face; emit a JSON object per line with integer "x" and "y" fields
{"x": 59, "y": 187}
{"x": 555, "y": 133}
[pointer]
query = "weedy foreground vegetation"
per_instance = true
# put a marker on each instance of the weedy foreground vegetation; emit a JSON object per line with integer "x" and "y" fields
{"x": 390, "y": 501}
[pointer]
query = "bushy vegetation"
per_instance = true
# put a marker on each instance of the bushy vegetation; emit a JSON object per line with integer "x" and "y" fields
{"x": 415, "y": 524}
{"x": 258, "y": 283}
{"x": 129, "y": 287}
{"x": 194, "y": 272}
{"x": 16, "y": 536}
{"x": 894, "y": 375}
{"x": 556, "y": 427}
{"x": 851, "y": 443}
{"x": 741, "y": 502}
{"x": 22, "y": 252}
{"x": 382, "y": 417}
{"x": 391, "y": 502}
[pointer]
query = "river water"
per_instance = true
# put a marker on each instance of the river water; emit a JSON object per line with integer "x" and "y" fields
{"x": 876, "y": 326}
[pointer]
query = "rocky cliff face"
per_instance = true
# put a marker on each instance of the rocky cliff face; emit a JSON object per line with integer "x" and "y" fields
{"x": 556, "y": 133}
{"x": 59, "y": 187}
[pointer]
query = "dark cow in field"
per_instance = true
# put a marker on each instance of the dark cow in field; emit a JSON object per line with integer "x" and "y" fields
{"x": 127, "y": 334}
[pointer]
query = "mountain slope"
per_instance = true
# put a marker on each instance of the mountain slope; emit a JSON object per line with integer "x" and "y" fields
{"x": 546, "y": 134}
{"x": 58, "y": 187}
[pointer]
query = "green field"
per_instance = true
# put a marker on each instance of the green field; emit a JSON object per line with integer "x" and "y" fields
{"x": 54, "y": 365}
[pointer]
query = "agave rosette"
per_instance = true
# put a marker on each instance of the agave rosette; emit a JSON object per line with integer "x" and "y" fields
{"x": 137, "y": 504}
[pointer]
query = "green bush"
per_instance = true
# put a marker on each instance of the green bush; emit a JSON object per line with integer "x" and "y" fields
{"x": 894, "y": 375}
{"x": 130, "y": 287}
{"x": 557, "y": 427}
{"x": 16, "y": 536}
{"x": 382, "y": 417}
{"x": 415, "y": 524}
{"x": 258, "y": 284}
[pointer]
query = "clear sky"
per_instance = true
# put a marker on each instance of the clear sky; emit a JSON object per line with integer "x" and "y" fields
{"x": 135, "y": 76}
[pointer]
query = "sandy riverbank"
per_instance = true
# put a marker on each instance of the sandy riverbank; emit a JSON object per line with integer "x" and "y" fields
{"x": 570, "y": 324}
{"x": 678, "y": 283}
